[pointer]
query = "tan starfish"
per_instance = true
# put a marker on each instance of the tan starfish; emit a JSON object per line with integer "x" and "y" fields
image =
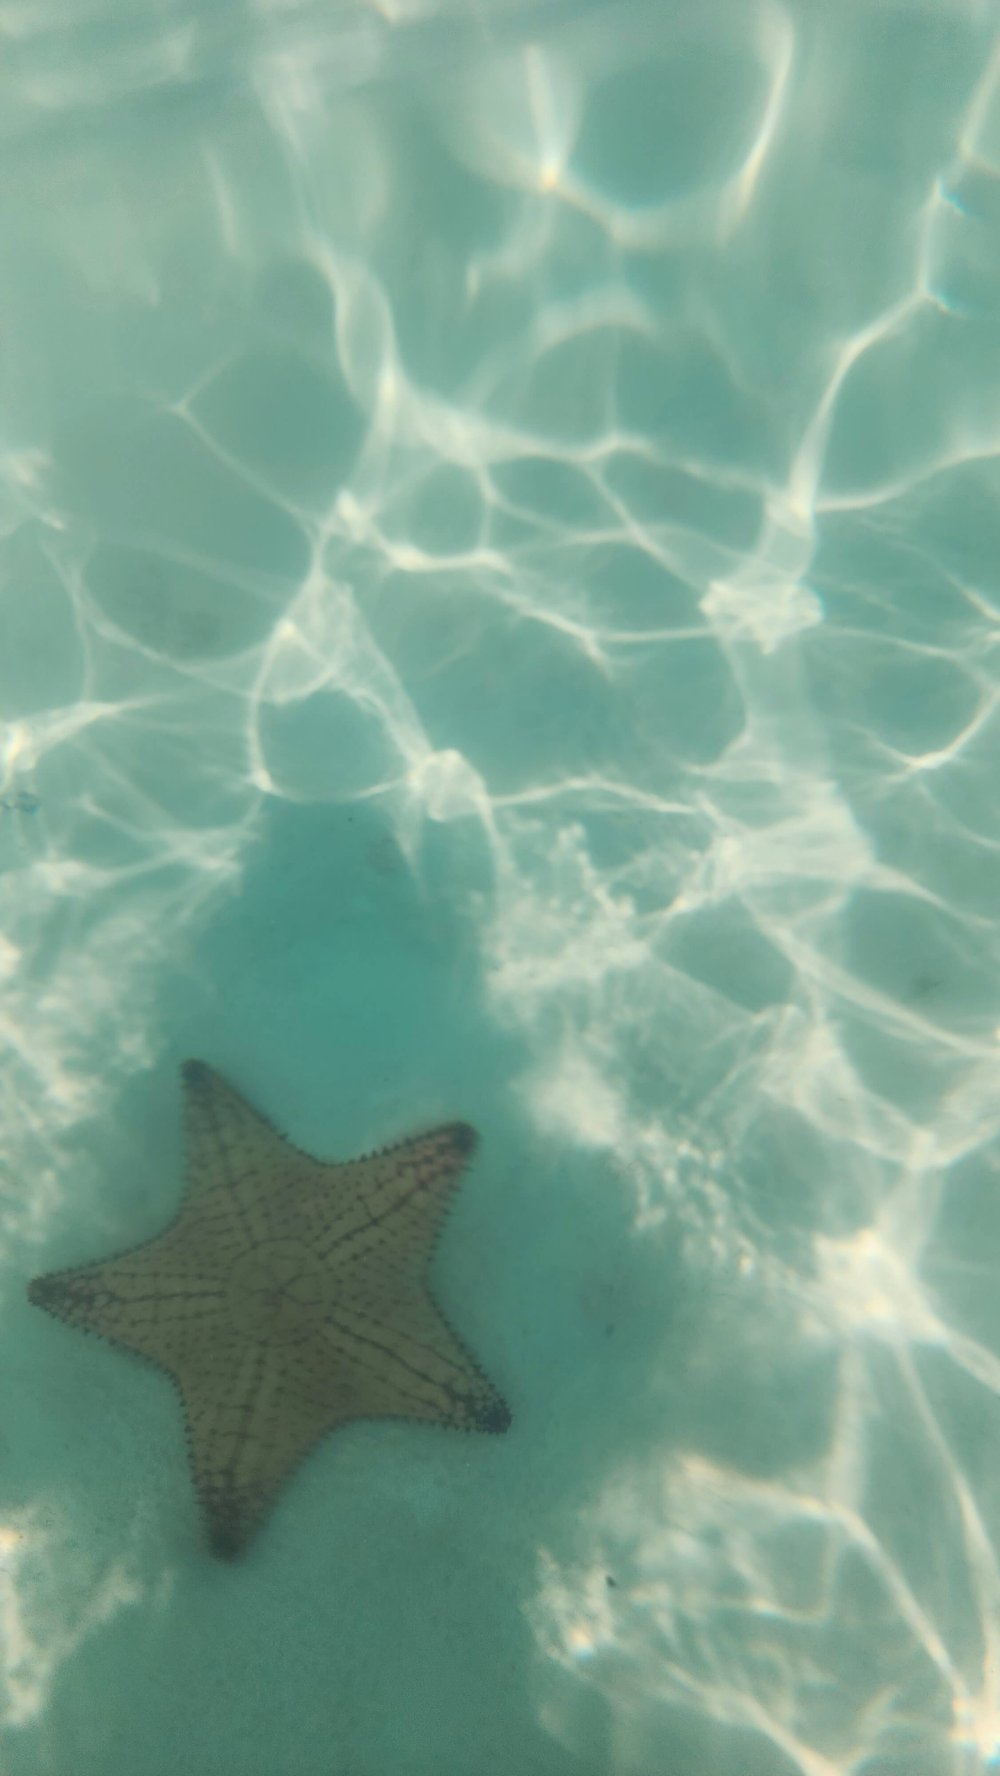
{"x": 287, "y": 1297}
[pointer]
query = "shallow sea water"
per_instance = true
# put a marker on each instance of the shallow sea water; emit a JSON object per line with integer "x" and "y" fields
{"x": 500, "y": 620}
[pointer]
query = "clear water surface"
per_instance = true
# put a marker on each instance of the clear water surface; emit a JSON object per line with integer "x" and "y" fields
{"x": 499, "y": 538}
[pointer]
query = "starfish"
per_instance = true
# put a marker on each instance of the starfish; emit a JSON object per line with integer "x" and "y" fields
{"x": 287, "y": 1297}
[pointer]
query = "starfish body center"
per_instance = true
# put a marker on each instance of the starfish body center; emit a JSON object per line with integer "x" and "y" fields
{"x": 276, "y": 1292}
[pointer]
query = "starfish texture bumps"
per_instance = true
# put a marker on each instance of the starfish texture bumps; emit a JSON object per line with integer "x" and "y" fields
{"x": 287, "y": 1297}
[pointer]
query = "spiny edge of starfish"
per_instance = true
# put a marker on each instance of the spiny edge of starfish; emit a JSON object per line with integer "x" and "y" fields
{"x": 198, "y": 1074}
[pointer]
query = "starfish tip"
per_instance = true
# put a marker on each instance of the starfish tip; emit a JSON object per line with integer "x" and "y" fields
{"x": 495, "y": 1417}
{"x": 196, "y": 1073}
{"x": 228, "y": 1524}
{"x": 225, "y": 1542}
{"x": 464, "y": 1136}
{"x": 42, "y": 1291}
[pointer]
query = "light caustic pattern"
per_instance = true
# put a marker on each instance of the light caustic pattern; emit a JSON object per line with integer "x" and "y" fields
{"x": 594, "y": 449}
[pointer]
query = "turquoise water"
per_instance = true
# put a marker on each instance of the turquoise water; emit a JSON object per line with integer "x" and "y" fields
{"x": 499, "y": 616}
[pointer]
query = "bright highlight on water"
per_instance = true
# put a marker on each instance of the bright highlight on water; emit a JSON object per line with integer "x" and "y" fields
{"x": 498, "y": 630}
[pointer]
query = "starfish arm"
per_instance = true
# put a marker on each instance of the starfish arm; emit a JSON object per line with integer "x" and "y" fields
{"x": 406, "y": 1362}
{"x": 253, "y": 1412}
{"x": 148, "y": 1300}
{"x": 397, "y": 1198}
{"x": 231, "y": 1148}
